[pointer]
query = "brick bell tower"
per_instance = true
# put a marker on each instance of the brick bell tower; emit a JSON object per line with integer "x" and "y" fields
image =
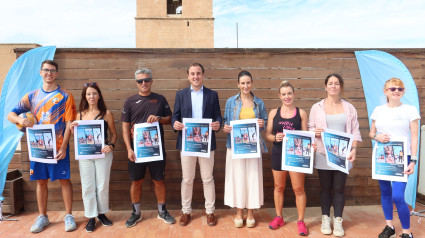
{"x": 174, "y": 24}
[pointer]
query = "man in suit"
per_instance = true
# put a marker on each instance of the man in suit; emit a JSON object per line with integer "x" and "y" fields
{"x": 197, "y": 101}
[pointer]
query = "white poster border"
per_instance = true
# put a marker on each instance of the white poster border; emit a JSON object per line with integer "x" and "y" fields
{"x": 245, "y": 155}
{"x": 195, "y": 153}
{"x": 285, "y": 167}
{"x": 348, "y": 136}
{"x": 148, "y": 158}
{"x": 50, "y": 127}
{"x": 102, "y": 134}
{"x": 390, "y": 177}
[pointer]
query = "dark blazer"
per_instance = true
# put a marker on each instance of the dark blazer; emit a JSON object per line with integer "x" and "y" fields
{"x": 183, "y": 109}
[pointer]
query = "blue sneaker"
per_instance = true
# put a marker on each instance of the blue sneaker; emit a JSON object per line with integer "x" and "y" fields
{"x": 40, "y": 223}
{"x": 69, "y": 223}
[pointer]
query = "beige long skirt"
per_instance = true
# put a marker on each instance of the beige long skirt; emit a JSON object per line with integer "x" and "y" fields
{"x": 243, "y": 186}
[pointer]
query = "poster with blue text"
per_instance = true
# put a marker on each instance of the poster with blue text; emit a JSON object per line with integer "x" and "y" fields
{"x": 389, "y": 160}
{"x": 337, "y": 148}
{"x": 245, "y": 140}
{"x": 89, "y": 139}
{"x": 147, "y": 142}
{"x": 297, "y": 151}
{"x": 41, "y": 141}
{"x": 196, "y": 139}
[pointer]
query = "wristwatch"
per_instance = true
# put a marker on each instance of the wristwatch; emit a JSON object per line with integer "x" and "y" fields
{"x": 112, "y": 144}
{"x": 159, "y": 118}
{"x": 414, "y": 159}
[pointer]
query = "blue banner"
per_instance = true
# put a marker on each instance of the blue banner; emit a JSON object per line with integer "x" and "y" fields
{"x": 376, "y": 67}
{"x": 22, "y": 77}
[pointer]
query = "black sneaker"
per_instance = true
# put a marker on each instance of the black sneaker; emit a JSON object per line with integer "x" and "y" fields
{"x": 133, "y": 220}
{"x": 104, "y": 220}
{"x": 166, "y": 217}
{"x": 404, "y": 235}
{"x": 388, "y": 232}
{"x": 91, "y": 225}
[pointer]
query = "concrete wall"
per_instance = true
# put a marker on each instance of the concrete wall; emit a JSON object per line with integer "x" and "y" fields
{"x": 113, "y": 70}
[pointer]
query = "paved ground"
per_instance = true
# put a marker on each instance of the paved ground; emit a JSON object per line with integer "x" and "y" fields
{"x": 359, "y": 221}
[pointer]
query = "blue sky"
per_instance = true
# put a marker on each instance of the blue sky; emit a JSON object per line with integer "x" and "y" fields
{"x": 262, "y": 24}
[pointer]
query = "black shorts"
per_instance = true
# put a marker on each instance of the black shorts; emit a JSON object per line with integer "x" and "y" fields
{"x": 137, "y": 171}
{"x": 277, "y": 156}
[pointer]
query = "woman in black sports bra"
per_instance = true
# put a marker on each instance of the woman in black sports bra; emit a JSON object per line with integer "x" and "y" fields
{"x": 286, "y": 117}
{"x": 95, "y": 173}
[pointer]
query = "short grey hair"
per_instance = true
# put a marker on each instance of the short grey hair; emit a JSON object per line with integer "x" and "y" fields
{"x": 143, "y": 71}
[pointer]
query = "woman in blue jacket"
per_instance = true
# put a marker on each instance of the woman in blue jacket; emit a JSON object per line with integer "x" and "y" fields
{"x": 244, "y": 177}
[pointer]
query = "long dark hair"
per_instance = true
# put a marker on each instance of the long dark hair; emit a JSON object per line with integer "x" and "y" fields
{"x": 84, "y": 105}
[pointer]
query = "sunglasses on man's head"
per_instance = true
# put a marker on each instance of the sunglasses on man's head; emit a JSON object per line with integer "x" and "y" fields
{"x": 90, "y": 84}
{"x": 393, "y": 89}
{"x": 146, "y": 80}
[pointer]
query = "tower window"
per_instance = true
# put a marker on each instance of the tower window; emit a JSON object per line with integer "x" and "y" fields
{"x": 174, "y": 6}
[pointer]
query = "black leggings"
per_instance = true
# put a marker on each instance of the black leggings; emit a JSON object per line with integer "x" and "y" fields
{"x": 332, "y": 188}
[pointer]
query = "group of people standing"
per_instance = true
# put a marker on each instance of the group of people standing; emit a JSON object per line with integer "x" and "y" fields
{"x": 244, "y": 177}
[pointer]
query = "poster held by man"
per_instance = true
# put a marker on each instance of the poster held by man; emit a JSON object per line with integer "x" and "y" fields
{"x": 196, "y": 137}
{"x": 41, "y": 141}
{"x": 147, "y": 142}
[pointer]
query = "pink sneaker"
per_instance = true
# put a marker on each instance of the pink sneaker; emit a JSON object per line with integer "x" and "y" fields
{"x": 276, "y": 223}
{"x": 302, "y": 229}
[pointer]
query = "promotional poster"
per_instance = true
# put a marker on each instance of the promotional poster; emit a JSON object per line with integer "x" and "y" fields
{"x": 389, "y": 160}
{"x": 89, "y": 139}
{"x": 147, "y": 142}
{"x": 245, "y": 139}
{"x": 196, "y": 137}
{"x": 41, "y": 141}
{"x": 297, "y": 151}
{"x": 337, "y": 147}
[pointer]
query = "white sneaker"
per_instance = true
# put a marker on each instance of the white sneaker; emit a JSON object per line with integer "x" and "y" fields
{"x": 40, "y": 223}
{"x": 326, "y": 225}
{"x": 338, "y": 230}
{"x": 69, "y": 223}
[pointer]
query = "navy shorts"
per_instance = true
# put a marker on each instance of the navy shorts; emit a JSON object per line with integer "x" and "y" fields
{"x": 53, "y": 171}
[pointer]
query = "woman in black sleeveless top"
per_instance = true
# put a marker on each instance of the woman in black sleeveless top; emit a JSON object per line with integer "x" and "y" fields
{"x": 286, "y": 117}
{"x": 95, "y": 173}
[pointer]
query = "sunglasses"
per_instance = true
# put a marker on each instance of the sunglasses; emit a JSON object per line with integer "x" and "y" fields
{"x": 90, "y": 84}
{"x": 393, "y": 89}
{"x": 146, "y": 80}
